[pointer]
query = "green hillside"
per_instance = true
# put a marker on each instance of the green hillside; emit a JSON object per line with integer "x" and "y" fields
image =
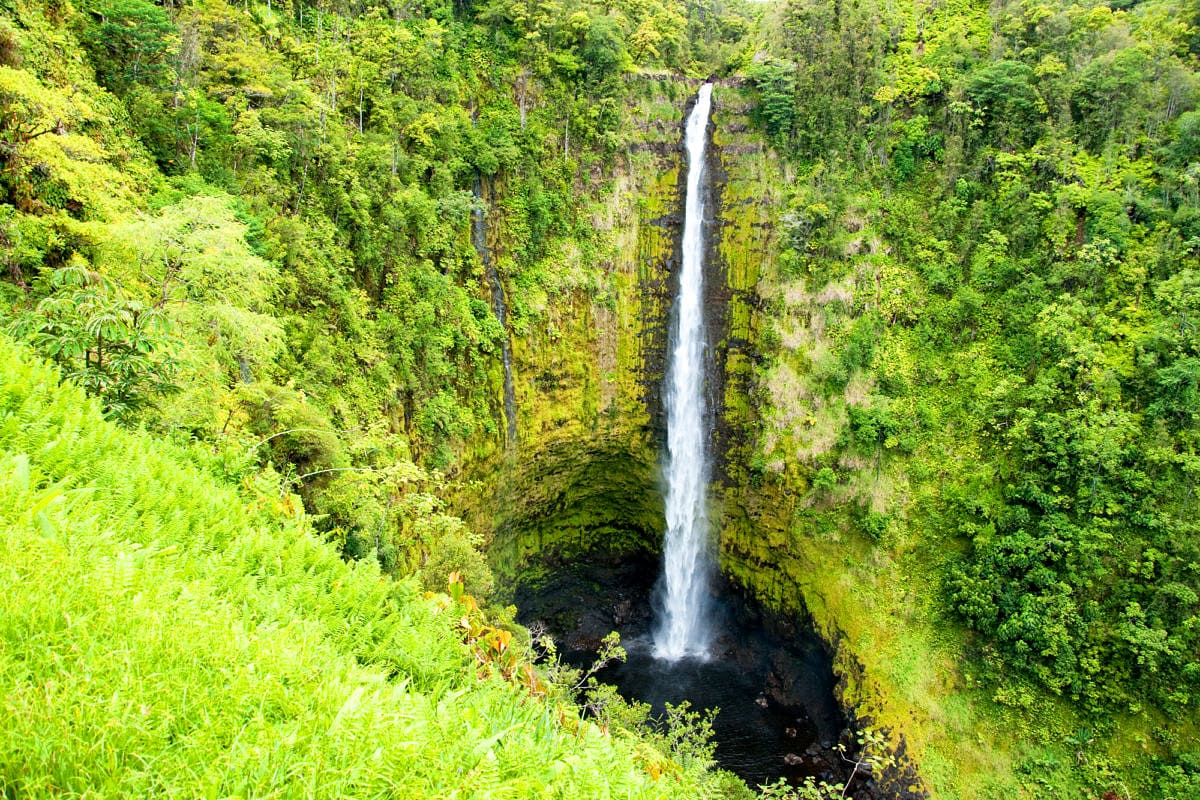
{"x": 164, "y": 637}
{"x": 977, "y": 387}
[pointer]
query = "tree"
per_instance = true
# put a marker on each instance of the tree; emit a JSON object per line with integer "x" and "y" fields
{"x": 130, "y": 42}
{"x": 118, "y": 349}
{"x": 1007, "y": 101}
{"x": 776, "y": 85}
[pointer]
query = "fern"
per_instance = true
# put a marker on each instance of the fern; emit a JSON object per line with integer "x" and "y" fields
{"x": 159, "y": 637}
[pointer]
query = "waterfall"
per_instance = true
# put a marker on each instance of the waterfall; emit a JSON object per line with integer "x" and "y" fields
{"x": 683, "y": 628}
{"x": 499, "y": 308}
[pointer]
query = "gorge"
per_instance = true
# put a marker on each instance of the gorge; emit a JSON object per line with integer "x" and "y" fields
{"x": 841, "y": 357}
{"x": 688, "y": 640}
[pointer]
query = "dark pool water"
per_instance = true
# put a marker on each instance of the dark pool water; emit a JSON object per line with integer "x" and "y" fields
{"x": 772, "y": 682}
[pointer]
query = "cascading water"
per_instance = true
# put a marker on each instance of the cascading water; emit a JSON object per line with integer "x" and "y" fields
{"x": 689, "y": 638}
{"x": 683, "y": 630}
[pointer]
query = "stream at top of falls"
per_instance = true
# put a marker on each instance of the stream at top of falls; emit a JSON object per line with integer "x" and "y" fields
{"x": 684, "y": 630}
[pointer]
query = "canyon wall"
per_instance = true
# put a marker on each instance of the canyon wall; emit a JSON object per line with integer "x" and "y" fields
{"x": 583, "y": 480}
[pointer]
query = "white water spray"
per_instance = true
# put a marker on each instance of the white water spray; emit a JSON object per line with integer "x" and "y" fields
{"x": 684, "y": 631}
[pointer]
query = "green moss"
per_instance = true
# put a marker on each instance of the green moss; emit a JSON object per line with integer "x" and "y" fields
{"x": 571, "y": 500}
{"x": 584, "y": 476}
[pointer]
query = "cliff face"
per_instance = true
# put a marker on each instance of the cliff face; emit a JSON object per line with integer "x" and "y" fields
{"x": 587, "y": 384}
{"x": 584, "y": 474}
{"x": 746, "y": 186}
{"x": 584, "y": 477}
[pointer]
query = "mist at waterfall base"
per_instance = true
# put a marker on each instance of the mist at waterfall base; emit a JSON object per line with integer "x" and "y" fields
{"x": 773, "y": 684}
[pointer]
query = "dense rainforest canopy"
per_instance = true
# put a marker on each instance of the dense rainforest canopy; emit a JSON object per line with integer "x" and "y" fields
{"x": 1020, "y": 184}
{"x": 246, "y": 230}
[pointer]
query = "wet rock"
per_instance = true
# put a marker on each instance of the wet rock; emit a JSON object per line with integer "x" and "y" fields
{"x": 582, "y": 600}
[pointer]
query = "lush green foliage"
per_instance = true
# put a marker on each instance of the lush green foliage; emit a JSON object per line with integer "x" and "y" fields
{"x": 164, "y": 634}
{"x": 288, "y": 192}
{"x": 996, "y": 234}
{"x": 248, "y": 227}
{"x": 112, "y": 347}
{"x": 250, "y": 231}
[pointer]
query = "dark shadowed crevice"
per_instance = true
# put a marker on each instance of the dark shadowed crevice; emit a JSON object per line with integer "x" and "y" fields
{"x": 771, "y": 679}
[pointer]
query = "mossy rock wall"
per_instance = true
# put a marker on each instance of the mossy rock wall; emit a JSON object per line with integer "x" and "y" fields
{"x": 799, "y": 551}
{"x": 766, "y": 543}
{"x": 753, "y": 515}
{"x": 584, "y": 472}
{"x": 584, "y": 475}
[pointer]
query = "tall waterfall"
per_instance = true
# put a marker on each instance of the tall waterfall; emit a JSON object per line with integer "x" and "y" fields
{"x": 683, "y": 629}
